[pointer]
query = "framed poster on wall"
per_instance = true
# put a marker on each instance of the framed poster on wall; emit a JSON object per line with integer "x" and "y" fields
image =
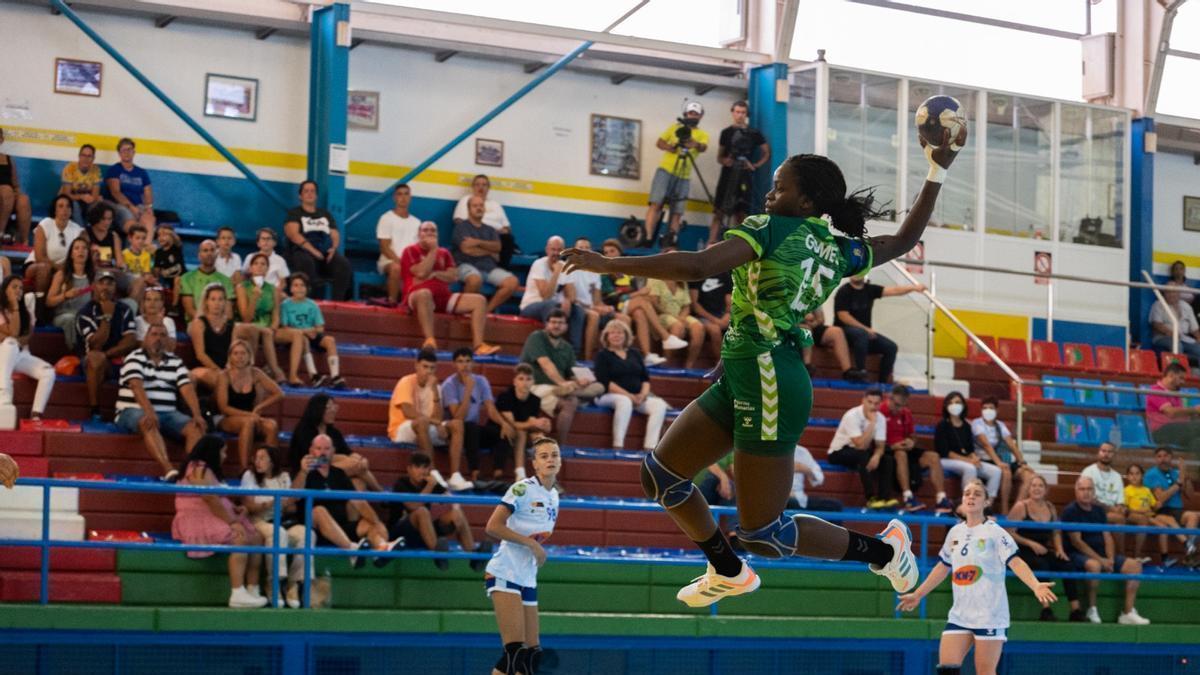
{"x": 362, "y": 110}
{"x": 1191, "y": 214}
{"x": 82, "y": 78}
{"x": 489, "y": 152}
{"x": 616, "y": 147}
{"x": 231, "y": 97}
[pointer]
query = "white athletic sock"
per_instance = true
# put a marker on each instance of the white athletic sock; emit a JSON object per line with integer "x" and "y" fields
{"x": 333, "y": 366}
{"x": 908, "y": 495}
{"x": 309, "y": 364}
{"x": 941, "y": 496}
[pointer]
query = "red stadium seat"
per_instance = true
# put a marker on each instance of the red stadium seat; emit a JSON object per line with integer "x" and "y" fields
{"x": 1032, "y": 393}
{"x": 1045, "y": 353}
{"x": 1014, "y": 351}
{"x": 974, "y": 353}
{"x": 1111, "y": 359}
{"x": 1142, "y": 362}
{"x": 1079, "y": 355}
{"x": 1168, "y": 358}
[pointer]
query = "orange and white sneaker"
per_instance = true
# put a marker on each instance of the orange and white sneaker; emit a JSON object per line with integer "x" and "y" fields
{"x": 485, "y": 349}
{"x": 711, "y": 587}
{"x": 902, "y": 570}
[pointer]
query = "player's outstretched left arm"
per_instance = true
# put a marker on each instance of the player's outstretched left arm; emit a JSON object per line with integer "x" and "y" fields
{"x": 672, "y": 266}
{"x": 937, "y": 575}
{"x": 940, "y": 158}
{"x": 1041, "y": 589}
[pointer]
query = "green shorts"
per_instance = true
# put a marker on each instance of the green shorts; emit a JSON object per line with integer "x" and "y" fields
{"x": 764, "y": 401}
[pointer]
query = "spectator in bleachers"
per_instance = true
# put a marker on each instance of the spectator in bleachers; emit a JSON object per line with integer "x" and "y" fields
{"x": 312, "y": 244}
{"x": 16, "y": 328}
{"x": 955, "y": 445}
{"x": 834, "y": 339}
{"x": 1170, "y": 485}
{"x": 320, "y": 417}
{"x": 154, "y": 311}
{"x": 712, "y": 300}
{"x": 493, "y": 214}
{"x": 672, "y": 178}
{"x": 416, "y": 415}
{"x": 423, "y": 523}
{"x": 1142, "y": 509}
{"x": 244, "y": 413}
{"x": 107, "y": 331}
{"x": 554, "y": 380}
{"x": 547, "y": 289}
{"x": 737, "y": 144}
{"x": 258, "y": 313}
{"x": 71, "y": 288}
{"x": 1170, "y": 421}
{"x": 1094, "y": 552}
{"x": 139, "y": 263}
{"x": 427, "y": 270}
{"x": 169, "y": 265}
{"x": 715, "y": 482}
{"x": 268, "y": 473}
{"x": 626, "y": 382}
{"x": 106, "y": 242}
{"x": 51, "y": 241}
{"x": 852, "y": 305}
{"x": 397, "y": 230}
{"x": 277, "y": 269}
{"x": 211, "y": 333}
{"x": 152, "y": 382}
{"x": 191, "y": 285}
{"x": 477, "y": 251}
{"x": 1110, "y": 489}
{"x": 807, "y": 469}
{"x": 299, "y": 314}
{"x": 1164, "y": 331}
{"x": 666, "y": 308}
{"x": 228, "y": 261}
{"x": 615, "y": 289}
{"x": 911, "y": 461}
{"x": 12, "y": 199}
{"x": 995, "y": 445}
{"x": 81, "y": 182}
{"x": 128, "y": 187}
{"x": 1043, "y": 549}
{"x": 211, "y": 520}
{"x": 859, "y": 445}
{"x": 523, "y": 410}
{"x": 468, "y": 398}
{"x": 1178, "y": 277}
{"x": 332, "y": 518}
{"x": 587, "y": 296}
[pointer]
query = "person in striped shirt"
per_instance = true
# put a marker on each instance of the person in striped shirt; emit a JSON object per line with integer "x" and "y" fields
{"x": 151, "y": 383}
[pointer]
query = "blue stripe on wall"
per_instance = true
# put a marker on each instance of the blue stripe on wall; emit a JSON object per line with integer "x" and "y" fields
{"x": 1078, "y": 331}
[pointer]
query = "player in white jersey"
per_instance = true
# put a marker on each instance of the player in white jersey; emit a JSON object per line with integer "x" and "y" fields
{"x": 977, "y": 552}
{"x": 523, "y": 520}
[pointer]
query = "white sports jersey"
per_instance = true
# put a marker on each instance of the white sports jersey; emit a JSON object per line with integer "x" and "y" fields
{"x": 534, "y": 510}
{"x": 978, "y": 558}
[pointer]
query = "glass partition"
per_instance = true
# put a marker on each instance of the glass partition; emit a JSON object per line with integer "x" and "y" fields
{"x": 956, "y": 203}
{"x": 1020, "y": 190}
{"x": 862, "y": 133}
{"x": 1091, "y": 176}
{"x": 802, "y": 115}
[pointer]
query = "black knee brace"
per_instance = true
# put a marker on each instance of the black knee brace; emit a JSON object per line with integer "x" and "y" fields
{"x": 949, "y": 670}
{"x": 529, "y": 659}
{"x": 507, "y": 663}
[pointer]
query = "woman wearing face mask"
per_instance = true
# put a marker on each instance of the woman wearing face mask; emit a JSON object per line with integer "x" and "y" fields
{"x": 995, "y": 445}
{"x": 956, "y": 446}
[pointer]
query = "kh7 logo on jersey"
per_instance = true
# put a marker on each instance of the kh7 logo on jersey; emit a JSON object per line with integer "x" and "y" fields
{"x": 967, "y": 575}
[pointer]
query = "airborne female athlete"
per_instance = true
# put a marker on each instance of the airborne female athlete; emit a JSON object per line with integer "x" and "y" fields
{"x": 784, "y": 264}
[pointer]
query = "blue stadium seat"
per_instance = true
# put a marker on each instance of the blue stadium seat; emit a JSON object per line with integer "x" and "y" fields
{"x": 1190, "y": 400}
{"x": 1123, "y": 400}
{"x": 1071, "y": 429}
{"x": 1133, "y": 431}
{"x": 1063, "y": 394}
{"x": 1090, "y": 397}
{"x": 1100, "y": 429}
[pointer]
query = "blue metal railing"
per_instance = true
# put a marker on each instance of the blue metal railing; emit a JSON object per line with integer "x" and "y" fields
{"x": 279, "y": 547}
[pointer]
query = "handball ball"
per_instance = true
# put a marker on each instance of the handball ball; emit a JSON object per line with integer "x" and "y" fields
{"x": 937, "y": 114}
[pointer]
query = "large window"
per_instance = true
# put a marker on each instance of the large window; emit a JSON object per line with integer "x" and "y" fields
{"x": 1019, "y": 176}
{"x": 956, "y": 204}
{"x": 862, "y": 132}
{"x": 1091, "y": 175}
{"x": 802, "y": 114}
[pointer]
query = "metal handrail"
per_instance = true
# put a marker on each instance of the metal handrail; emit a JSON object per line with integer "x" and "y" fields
{"x": 1012, "y": 374}
{"x": 1040, "y": 275}
{"x": 1170, "y": 313}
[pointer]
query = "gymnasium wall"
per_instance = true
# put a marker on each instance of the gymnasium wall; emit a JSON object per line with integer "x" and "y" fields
{"x": 1175, "y": 176}
{"x": 545, "y": 182}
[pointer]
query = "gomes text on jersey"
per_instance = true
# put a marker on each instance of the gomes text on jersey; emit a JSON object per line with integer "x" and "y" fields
{"x": 798, "y": 264}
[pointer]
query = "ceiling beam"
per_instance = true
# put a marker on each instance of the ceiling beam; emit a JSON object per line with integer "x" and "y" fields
{"x": 532, "y": 67}
{"x": 264, "y": 33}
{"x": 971, "y": 18}
{"x": 444, "y": 55}
{"x": 702, "y": 89}
{"x": 619, "y": 78}
{"x": 164, "y": 21}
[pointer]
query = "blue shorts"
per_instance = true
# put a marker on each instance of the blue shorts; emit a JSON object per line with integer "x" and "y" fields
{"x": 170, "y": 423}
{"x": 979, "y": 633}
{"x": 1078, "y": 560}
{"x": 495, "y": 584}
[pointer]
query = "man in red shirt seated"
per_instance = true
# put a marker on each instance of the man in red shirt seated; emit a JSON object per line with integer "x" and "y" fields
{"x": 910, "y": 460}
{"x": 1170, "y": 421}
{"x": 427, "y": 271}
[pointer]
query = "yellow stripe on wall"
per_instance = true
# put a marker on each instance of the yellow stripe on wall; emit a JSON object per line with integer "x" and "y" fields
{"x": 949, "y": 341}
{"x": 294, "y": 161}
{"x": 1166, "y": 258}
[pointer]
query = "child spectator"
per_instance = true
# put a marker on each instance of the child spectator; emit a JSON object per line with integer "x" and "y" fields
{"x": 168, "y": 262}
{"x": 258, "y": 313}
{"x": 523, "y": 409}
{"x": 229, "y": 262}
{"x": 277, "y": 269}
{"x": 422, "y": 523}
{"x": 299, "y": 313}
{"x": 139, "y": 263}
{"x": 106, "y": 243}
{"x": 267, "y": 473}
{"x": 468, "y": 398}
{"x": 1142, "y": 510}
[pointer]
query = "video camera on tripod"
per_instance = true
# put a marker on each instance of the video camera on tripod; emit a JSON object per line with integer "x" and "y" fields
{"x": 684, "y": 132}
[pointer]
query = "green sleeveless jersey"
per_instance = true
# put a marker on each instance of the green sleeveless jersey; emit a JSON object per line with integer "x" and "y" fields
{"x": 798, "y": 264}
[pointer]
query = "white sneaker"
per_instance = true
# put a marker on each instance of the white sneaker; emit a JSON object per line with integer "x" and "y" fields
{"x": 520, "y": 473}
{"x": 293, "y": 596}
{"x": 672, "y": 343}
{"x": 437, "y": 476}
{"x": 253, "y": 590}
{"x": 458, "y": 484}
{"x": 1093, "y": 615}
{"x": 241, "y": 598}
{"x": 711, "y": 587}
{"x": 653, "y": 359}
{"x": 902, "y": 570}
{"x": 1132, "y": 618}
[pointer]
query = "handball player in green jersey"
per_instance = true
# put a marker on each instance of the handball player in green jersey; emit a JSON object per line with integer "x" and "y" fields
{"x": 784, "y": 263}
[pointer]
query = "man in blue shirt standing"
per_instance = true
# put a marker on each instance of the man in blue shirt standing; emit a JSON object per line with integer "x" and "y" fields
{"x": 1170, "y": 486}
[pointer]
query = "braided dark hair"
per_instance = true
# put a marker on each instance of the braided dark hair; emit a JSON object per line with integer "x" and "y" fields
{"x": 820, "y": 178}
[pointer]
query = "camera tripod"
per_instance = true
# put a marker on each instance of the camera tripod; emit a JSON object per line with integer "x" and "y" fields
{"x": 683, "y": 158}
